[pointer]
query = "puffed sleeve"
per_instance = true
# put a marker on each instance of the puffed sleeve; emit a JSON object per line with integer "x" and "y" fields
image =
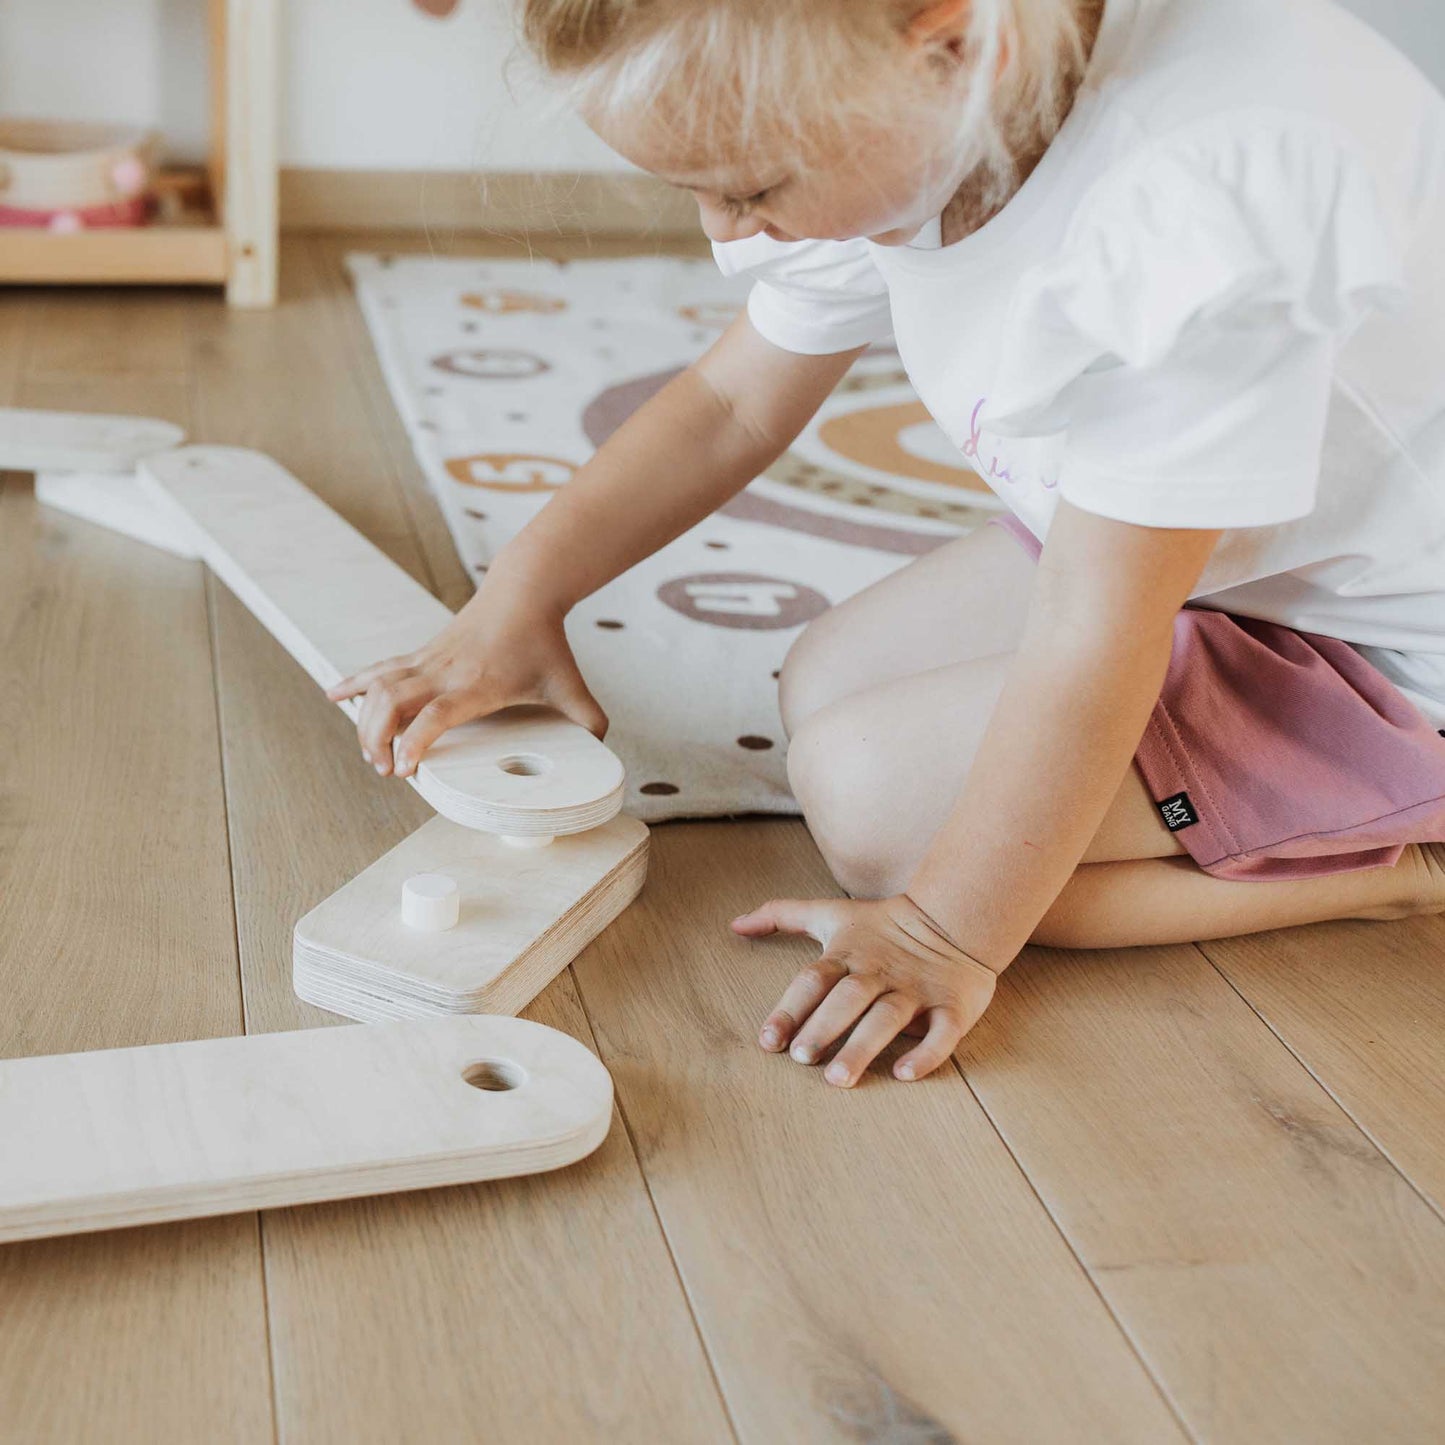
{"x": 813, "y": 296}
{"x": 1184, "y": 339}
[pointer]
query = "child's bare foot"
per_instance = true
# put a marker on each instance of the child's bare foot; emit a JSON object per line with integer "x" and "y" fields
{"x": 1422, "y": 872}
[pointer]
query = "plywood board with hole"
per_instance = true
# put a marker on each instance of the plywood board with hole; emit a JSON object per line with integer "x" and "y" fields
{"x": 337, "y": 604}
{"x": 117, "y": 1137}
{"x": 106, "y": 820}
{"x": 549, "y": 1306}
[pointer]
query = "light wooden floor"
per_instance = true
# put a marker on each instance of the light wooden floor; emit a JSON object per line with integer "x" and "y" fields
{"x": 1168, "y": 1193}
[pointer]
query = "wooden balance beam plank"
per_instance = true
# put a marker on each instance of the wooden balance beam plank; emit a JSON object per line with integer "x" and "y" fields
{"x": 119, "y": 1137}
{"x": 337, "y": 604}
{"x": 84, "y": 465}
{"x": 60, "y": 441}
{"x": 114, "y": 501}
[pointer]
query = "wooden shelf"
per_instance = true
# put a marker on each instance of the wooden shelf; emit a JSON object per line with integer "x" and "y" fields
{"x": 221, "y": 226}
{"x": 187, "y": 245}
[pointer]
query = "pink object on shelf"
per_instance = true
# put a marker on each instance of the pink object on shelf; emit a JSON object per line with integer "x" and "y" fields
{"x": 129, "y": 176}
{"x": 133, "y": 212}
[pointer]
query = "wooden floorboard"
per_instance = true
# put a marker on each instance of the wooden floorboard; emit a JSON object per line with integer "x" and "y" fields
{"x": 345, "y": 331}
{"x": 115, "y": 918}
{"x": 1169, "y": 1193}
{"x": 277, "y": 381}
{"x": 1362, "y": 1005}
{"x": 544, "y": 1308}
{"x": 865, "y": 1265}
{"x": 112, "y": 333}
{"x": 1280, "y": 1277}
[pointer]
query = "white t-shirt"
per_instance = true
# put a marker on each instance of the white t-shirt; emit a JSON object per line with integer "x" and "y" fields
{"x": 1218, "y": 301}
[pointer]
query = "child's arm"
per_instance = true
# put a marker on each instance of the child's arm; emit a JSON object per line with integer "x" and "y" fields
{"x": 1079, "y": 691}
{"x": 681, "y": 455}
{"x": 1089, "y": 667}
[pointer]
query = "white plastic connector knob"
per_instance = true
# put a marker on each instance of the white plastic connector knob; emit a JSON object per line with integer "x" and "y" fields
{"x": 430, "y": 902}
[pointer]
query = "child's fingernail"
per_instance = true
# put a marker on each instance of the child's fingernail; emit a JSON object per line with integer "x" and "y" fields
{"x": 836, "y": 1074}
{"x": 381, "y": 768}
{"x": 905, "y": 1071}
{"x": 366, "y": 755}
{"x": 770, "y": 1037}
{"x": 802, "y": 1054}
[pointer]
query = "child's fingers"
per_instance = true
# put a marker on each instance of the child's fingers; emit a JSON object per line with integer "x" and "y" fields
{"x": 388, "y": 703}
{"x": 875, "y": 1031}
{"x": 848, "y": 1000}
{"x": 347, "y": 687}
{"x": 946, "y": 1027}
{"x": 813, "y": 916}
{"x": 440, "y": 714}
{"x": 358, "y": 682}
{"x": 572, "y": 698}
{"x": 800, "y": 998}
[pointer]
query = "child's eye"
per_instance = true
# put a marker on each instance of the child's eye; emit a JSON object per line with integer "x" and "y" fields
{"x": 740, "y": 208}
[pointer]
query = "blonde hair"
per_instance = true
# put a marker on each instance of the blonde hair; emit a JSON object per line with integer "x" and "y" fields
{"x": 787, "y": 77}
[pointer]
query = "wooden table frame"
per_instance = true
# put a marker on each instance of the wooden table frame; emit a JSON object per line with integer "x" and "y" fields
{"x": 226, "y": 232}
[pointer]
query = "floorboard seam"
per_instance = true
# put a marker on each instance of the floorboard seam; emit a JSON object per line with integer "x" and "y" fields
{"x": 1135, "y": 1347}
{"x": 657, "y": 1215}
{"x": 329, "y": 282}
{"x": 1436, "y": 1209}
{"x": 208, "y": 586}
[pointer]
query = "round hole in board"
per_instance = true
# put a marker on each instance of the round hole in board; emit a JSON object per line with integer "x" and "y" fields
{"x": 496, "y": 1076}
{"x": 525, "y": 765}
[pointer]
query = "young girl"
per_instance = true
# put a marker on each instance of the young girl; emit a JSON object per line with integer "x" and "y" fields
{"x": 1168, "y": 273}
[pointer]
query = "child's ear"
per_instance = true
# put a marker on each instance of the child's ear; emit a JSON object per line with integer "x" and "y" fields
{"x": 943, "y": 28}
{"x": 942, "y": 25}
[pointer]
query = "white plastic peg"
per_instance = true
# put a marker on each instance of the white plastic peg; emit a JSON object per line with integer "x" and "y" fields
{"x": 430, "y": 902}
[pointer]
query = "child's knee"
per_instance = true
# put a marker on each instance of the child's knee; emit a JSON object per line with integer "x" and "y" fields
{"x": 839, "y": 777}
{"x": 803, "y": 679}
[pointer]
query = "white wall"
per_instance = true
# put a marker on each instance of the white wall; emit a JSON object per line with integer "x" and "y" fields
{"x": 369, "y": 84}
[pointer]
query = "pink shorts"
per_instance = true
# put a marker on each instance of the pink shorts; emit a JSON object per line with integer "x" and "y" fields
{"x": 1274, "y": 753}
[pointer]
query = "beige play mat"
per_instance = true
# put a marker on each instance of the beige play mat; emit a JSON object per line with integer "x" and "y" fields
{"x": 509, "y": 374}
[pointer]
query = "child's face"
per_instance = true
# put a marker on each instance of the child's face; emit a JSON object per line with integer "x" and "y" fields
{"x": 879, "y": 180}
{"x": 876, "y": 182}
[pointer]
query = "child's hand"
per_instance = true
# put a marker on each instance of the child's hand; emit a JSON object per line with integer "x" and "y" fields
{"x": 490, "y": 656}
{"x": 886, "y": 968}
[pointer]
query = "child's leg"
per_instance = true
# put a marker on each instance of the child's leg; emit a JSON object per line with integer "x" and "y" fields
{"x": 965, "y": 599}
{"x": 878, "y": 772}
{"x": 1172, "y": 900}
